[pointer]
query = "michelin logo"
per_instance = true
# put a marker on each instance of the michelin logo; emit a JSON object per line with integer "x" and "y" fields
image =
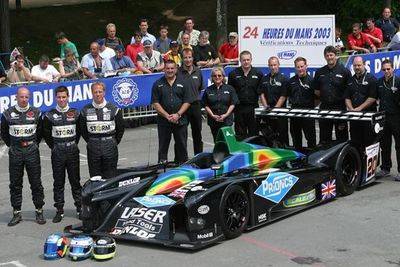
{"x": 125, "y": 92}
{"x": 276, "y": 186}
{"x": 287, "y": 54}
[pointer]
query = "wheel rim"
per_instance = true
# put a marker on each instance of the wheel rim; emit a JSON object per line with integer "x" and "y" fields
{"x": 235, "y": 212}
{"x": 349, "y": 169}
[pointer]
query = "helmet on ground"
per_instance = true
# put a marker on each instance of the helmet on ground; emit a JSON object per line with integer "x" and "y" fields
{"x": 81, "y": 247}
{"x": 55, "y": 247}
{"x": 104, "y": 248}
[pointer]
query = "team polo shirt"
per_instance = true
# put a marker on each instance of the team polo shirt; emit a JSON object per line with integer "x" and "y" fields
{"x": 246, "y": 87}
{"x": 273, "y": 87}
{"x": 301, "y": 92}
{"x": 363, "y": 41}
{"x": 194, "y": 80}
{"x": 360, "y": 88}
{"x": 389, "y": 95}
{"x": 389, "y": 27}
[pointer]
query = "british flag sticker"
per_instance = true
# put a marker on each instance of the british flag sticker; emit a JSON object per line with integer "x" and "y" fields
{"x": 328, "y": 190}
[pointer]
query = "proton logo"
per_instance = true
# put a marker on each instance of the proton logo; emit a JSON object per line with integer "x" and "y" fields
{"x": 125, "y": 92}
{"x": 287, "y": 54}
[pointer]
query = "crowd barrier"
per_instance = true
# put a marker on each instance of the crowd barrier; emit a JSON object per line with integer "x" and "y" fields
{"x": 133, "y": 93}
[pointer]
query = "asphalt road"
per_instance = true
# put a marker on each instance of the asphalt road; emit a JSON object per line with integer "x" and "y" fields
{"x": 358, "y": 230}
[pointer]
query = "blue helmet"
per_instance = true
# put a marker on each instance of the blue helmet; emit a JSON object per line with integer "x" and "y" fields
{"x": 55, "y": 247}
{"x": 81, "y": 247}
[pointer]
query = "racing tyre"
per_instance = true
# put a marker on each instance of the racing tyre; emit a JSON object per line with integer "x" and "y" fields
{"x": 348, "y": 170}
{"x": 234, "y": 211}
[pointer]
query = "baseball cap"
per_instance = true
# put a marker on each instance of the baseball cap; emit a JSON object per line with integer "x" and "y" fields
{"x": 173, "y": 44}
{"x": 147, "y": 43}
{"x": 233, "y": 34}
{"x": 119, "y": 48}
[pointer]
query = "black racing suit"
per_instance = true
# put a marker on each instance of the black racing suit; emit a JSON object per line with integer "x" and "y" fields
{"x": 21, "y": 131}
{"x": 62, "y": 136}
{"x": 102, "y": 129}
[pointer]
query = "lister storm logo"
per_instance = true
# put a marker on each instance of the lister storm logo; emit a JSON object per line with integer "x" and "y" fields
{"x": 125, "y": 92}
{"x": 276, "y": 186}
{"x": 287, "y": 54}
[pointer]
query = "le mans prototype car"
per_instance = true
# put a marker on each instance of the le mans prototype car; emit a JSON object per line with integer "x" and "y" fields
{"x": 219, "y": 194}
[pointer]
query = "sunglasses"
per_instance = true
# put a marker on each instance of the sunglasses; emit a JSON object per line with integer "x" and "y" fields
{"x": 217, "y": 76}
{"x": 386, "y": 69}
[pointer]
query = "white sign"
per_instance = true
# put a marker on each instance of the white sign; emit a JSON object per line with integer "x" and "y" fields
{"x": 372, "y": 153}
{"x": 286, "y": 37}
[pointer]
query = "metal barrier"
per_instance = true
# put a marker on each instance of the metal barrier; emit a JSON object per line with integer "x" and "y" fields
{"x": 139, "y": 112}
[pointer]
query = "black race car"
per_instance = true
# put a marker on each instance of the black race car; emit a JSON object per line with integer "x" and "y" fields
{"x": 220, "y": 194}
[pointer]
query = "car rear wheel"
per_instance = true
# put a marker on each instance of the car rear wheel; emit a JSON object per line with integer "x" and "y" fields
{"x": 234, "y": 211}
{"x": 348, "y": 170}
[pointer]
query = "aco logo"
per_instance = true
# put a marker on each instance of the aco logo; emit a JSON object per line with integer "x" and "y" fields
{"x": 125, "y": 92}
{"x": 287, "y": 54}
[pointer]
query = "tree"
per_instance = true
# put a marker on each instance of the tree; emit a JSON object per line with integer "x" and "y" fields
{"x": 4, "y": 26}
{"x": 222, "y": 31}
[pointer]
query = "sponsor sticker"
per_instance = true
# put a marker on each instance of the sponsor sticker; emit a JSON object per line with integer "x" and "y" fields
{"x": 182, "y": 191}
{"x": 64, "y": 131}
{"x": 328, "y": 190}
{"x": 205, "y": 235}
{"x": 23, "y": 130}
{"x": 262, "y": 217}
{"x": 203, "y": 209}
{"x": 276, "y": 186}
{"x": 287, "y": 54}
{"x": 372, "y": 152}
{"x": 131, "y": 181}
{"x": 300, "y": 199}
{"x": 155, "y": 201}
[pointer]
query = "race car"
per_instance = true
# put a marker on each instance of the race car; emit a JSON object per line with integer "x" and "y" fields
{"x": 217, "y": 195}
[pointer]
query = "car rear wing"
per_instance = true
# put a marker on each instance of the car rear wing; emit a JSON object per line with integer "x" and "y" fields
{"x": 376, "y": 119}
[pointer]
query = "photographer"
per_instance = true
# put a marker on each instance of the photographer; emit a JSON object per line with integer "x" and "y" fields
{"x": 93, "y": 65}
{"x": 18, "y": 72}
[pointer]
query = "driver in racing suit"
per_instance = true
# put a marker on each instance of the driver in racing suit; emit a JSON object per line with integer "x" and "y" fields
{"x": 102, "y": 127}
{"x": 62, "y": 136}
{"x": 21, "y": 132}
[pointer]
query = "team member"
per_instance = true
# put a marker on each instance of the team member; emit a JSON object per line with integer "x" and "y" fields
{"x": 273, "y": 90}
{"x": 219, "y": 100}
{"x": 361, "y": 95}
{"x": 21, "y": 132}
{"x": 301, "y": 95}
{"x": 245, "y": 79}
{"x": 330, "y": 83}
{"x": 102, "y": 127}
{"x": 61, "y": 134}
{"x": 389, "y": 101}
{"x": 171, "y": 98}
{"x": 194, "y": 80}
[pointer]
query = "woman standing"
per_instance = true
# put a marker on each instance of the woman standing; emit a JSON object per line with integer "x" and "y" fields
{"x": 219, "y": 100}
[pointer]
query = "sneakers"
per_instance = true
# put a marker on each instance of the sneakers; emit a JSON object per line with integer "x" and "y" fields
{"x": 397, "y": 177}
{"x": 39, "y": 217}
{"x": 16, "y": 219}
{"x": 382, "y": 173}
{"x": 59, "y": 216}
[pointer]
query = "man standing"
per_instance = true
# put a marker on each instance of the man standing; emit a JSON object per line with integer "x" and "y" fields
{"x": 189, "y": 29}
{"x": 245, "y": 79}
{"x": 102, "y": 127}
{"x": 21, "y": 132}
{"x": 194, "y": 79}
{"x": 228, "y": 52}
{"x": 389, "y": 101}
{"x": 388, "y": 25}
{"x": 162, "y": 44}
{"x": 171, "y": 98}
{"x": 273, "y": 90}
{"x": 205, "y": 55}
{"x": 62, "y": 135}
{"x": 301, "y": 95}
{"x": 121, "y": 62}
{"x": 361, "y": 95}
{"x": 330, "y": 84}
{"x": 144, "y": 26}
{"x": 64, "y": 43}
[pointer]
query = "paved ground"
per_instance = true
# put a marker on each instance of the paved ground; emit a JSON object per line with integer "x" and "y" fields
{"x": 359, "y": 230}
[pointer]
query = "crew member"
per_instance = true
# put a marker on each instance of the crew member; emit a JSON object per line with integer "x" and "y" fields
{"x": 273, "y": 90}
{"x": 62, "y": 135}
{"x": 219, "y": 100}
{"x": 102, "y": 127}
{"x": 171, "y": 98}
{"x": 389, "y": 101}
{"x": 194, "y": 81}
{"x": 361, "y": 95}
{"x": 330, "y": 83}
{"x": 21, "y": 132}
{"x": 245, "y": 79}
{"x": 301, "y": 95}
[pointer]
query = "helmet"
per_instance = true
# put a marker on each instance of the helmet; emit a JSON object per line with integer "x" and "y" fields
{"x": 81, "y": 247}
{"x": 55, "y": 247}
{"x": 104, "y": 248}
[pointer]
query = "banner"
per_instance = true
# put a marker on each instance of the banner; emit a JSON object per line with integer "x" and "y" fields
{"x": 373, "y": 62}
{"x": 286, "y": 37}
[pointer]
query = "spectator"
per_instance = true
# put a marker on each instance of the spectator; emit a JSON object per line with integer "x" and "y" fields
{"x": 143, "y": 25}
{"x": 3, "y": 75}
{"x": 185, "y": 42}
{"x": 105, "y": 52}
{"x": 112, "y": 40}
{"x": 149, "y": 60}
{"x": 121, "y": 62}
{"x": 70, "y": 68}
{"x": 395, "y": 42}
{"x": 219, "y": 100}
{"x": 18, "y": 72}
{"x": 173, "y": 54}
{"x": 188, "y": 28}
{"x": 134, "y": 49}
{"x": 45, "y": 72}
{"x": 373, "y": 33}
{"x": 94, "y": 65}
{"x": 338, "y": 41}
{"x": 64, "y": 43}
{"x": 388, "y": 25}
{"x": 205, "y": 55}
{"x": 162, "y": 43}
{"x": 359, "y": 41}
{"x": 228, "y": 52}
